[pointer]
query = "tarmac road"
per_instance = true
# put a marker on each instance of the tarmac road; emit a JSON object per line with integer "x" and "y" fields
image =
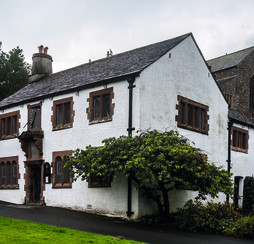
{"x": 109, "y": 226}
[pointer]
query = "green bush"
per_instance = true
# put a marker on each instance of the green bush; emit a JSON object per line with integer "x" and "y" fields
{"x": 241, "y": 227}
{"x": 212, "y": 217}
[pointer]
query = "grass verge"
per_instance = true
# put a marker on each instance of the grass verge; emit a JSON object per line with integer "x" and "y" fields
{"x": 21, "y": 231}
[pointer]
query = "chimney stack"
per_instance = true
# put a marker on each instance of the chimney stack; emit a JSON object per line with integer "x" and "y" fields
{"x": 42, "y": 65}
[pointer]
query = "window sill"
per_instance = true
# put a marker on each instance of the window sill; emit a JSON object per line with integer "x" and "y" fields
{"x": 238, "y": 149}
{"x": 205, "y": 132}
{"x": 62, "y": 127}
{"x": 9, "y": 187}
{"x": 9, "y": 137}
{"x": 103, "y": 120}
{"x": 60, "y": 185}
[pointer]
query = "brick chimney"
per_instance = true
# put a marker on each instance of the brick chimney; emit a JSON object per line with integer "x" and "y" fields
{"x": 42, "y": 65}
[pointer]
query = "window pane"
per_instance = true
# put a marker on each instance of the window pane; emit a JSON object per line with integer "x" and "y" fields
{"x": 14, "y": 125}
{"x": 189, "y": 115}
{"x": 8, "y": 173}
{"x": 9, "y": 126}
{"x": 59, "y": 114}
{"x": 234, "y": 138}
{"x": 97, "y": 107}
{"x": 239, "y": 139}
{"x": 202, "y": 117}
{"x": 66, "y": 175}
{"x": 182, "y": 112}
{"x": 106, "y": 105}
{"x": 58, "y": 170}
{"x": 35, "y": 118}
{"x": 3, "y": 127}
{"x": 14, "y": 173}
{"x": 244, "y": 137}
{"x": 195, "y": 117}
{"x": 2, "y": 173}
{"x": 67, "y": 109}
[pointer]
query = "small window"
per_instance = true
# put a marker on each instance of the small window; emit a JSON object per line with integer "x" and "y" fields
{"x": 100, "y": 108}
{"x": 63, "y": 114}
{"x": 9, "y": 173}
{"x": 34, "y": 116}
{"x": 229, "y": 99}
{"x": 240, "y": 139}
{"x": 97, "y": 181}
{"x": 61, "y": 174}
{"x": 192, "y": 115}
{"x": 9, "y": 125}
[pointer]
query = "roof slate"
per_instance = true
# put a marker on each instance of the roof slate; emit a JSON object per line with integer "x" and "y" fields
{"x": 229, "y": 60}
{"x": 107, "y": 69}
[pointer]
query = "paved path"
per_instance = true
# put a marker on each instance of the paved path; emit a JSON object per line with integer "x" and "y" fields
{"x": 109, "y": 226}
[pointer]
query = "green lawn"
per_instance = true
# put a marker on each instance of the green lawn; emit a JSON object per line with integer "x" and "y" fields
{"x": 21, "y": 231}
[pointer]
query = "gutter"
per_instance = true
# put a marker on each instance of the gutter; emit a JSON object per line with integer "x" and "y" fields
{"x": 131, "y": 81}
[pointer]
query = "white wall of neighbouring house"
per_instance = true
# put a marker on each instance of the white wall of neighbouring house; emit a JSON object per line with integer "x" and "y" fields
{"x": 182, "y": 71}
{"x": 242, "y": 162}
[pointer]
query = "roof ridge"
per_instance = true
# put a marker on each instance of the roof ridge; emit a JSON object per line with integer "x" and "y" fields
{"x": 228, "y": 54}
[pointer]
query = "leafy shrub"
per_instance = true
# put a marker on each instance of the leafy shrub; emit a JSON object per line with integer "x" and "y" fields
{"x": 242, "y": 227}
{"x": 212, "y": 217}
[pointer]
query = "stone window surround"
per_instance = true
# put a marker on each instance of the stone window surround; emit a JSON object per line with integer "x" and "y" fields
{"x": 28, "y": 112}
{"x": 90, "y": 109}
{"x": 54, "y": 118}
{"x": 195, "y": 104}
{"x": 243, "y": 132}
{"x": 5, "y": 160}
{"x": 11, "y": 114}
{"x": 61, "y": 154}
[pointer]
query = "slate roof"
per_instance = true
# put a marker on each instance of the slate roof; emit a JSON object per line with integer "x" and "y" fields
{"x": 90, "y": 74}
{"x": 229, "y": 60}
{"x": 234, "y": 116}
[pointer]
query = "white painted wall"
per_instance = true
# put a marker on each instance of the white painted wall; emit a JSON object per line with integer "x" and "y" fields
{"x": 185, "y": 74}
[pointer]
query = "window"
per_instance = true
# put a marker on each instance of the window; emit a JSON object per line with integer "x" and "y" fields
{"x": 100, "y": 108}
{"x": 63, "y": 114}
{"x": 9, "y": 173}
{"x": 229, "y": 99}
{"x": 9, "y": 125}
{"x": 192, "y": 115}
{"x": 240, "y": 139}
{"x": 97, "y": 181}
{"x": 61, "y": 175}
{"x": 34, "y": 117}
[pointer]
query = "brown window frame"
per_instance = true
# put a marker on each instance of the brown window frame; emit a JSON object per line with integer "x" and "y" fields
{"x": 91, "y": 110}
{"x": 29, "y": 119}
{"x": 192, "y": 115}
{"x": 241, "y": 145}
{"x": 5, "y": 161}
{"x": 61, "y": 184}
{"x": 9, "y": 116}
{"x": 97, "y": 182}
{"x": 63, "y": 125}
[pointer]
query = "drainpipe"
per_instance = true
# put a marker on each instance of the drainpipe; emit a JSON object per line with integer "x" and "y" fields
{"x": 131, "y": 81}
{"x": 230, "y": 124}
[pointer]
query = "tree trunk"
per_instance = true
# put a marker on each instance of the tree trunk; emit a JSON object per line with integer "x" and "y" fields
{"x": 165, "y": 199}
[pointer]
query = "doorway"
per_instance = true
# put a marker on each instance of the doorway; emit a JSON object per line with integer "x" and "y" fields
{"x": 34, "y": 183}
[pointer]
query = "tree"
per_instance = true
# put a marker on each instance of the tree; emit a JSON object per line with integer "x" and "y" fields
{"x": 13, "y": 72}
{"x": 156, "y": 162}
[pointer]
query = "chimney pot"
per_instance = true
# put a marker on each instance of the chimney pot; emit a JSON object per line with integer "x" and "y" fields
{"x": 40, "y": 48}
{"x": 46, "y": 50}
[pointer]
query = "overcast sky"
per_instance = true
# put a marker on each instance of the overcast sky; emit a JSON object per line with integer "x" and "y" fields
{"x": 78, "y": 30}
